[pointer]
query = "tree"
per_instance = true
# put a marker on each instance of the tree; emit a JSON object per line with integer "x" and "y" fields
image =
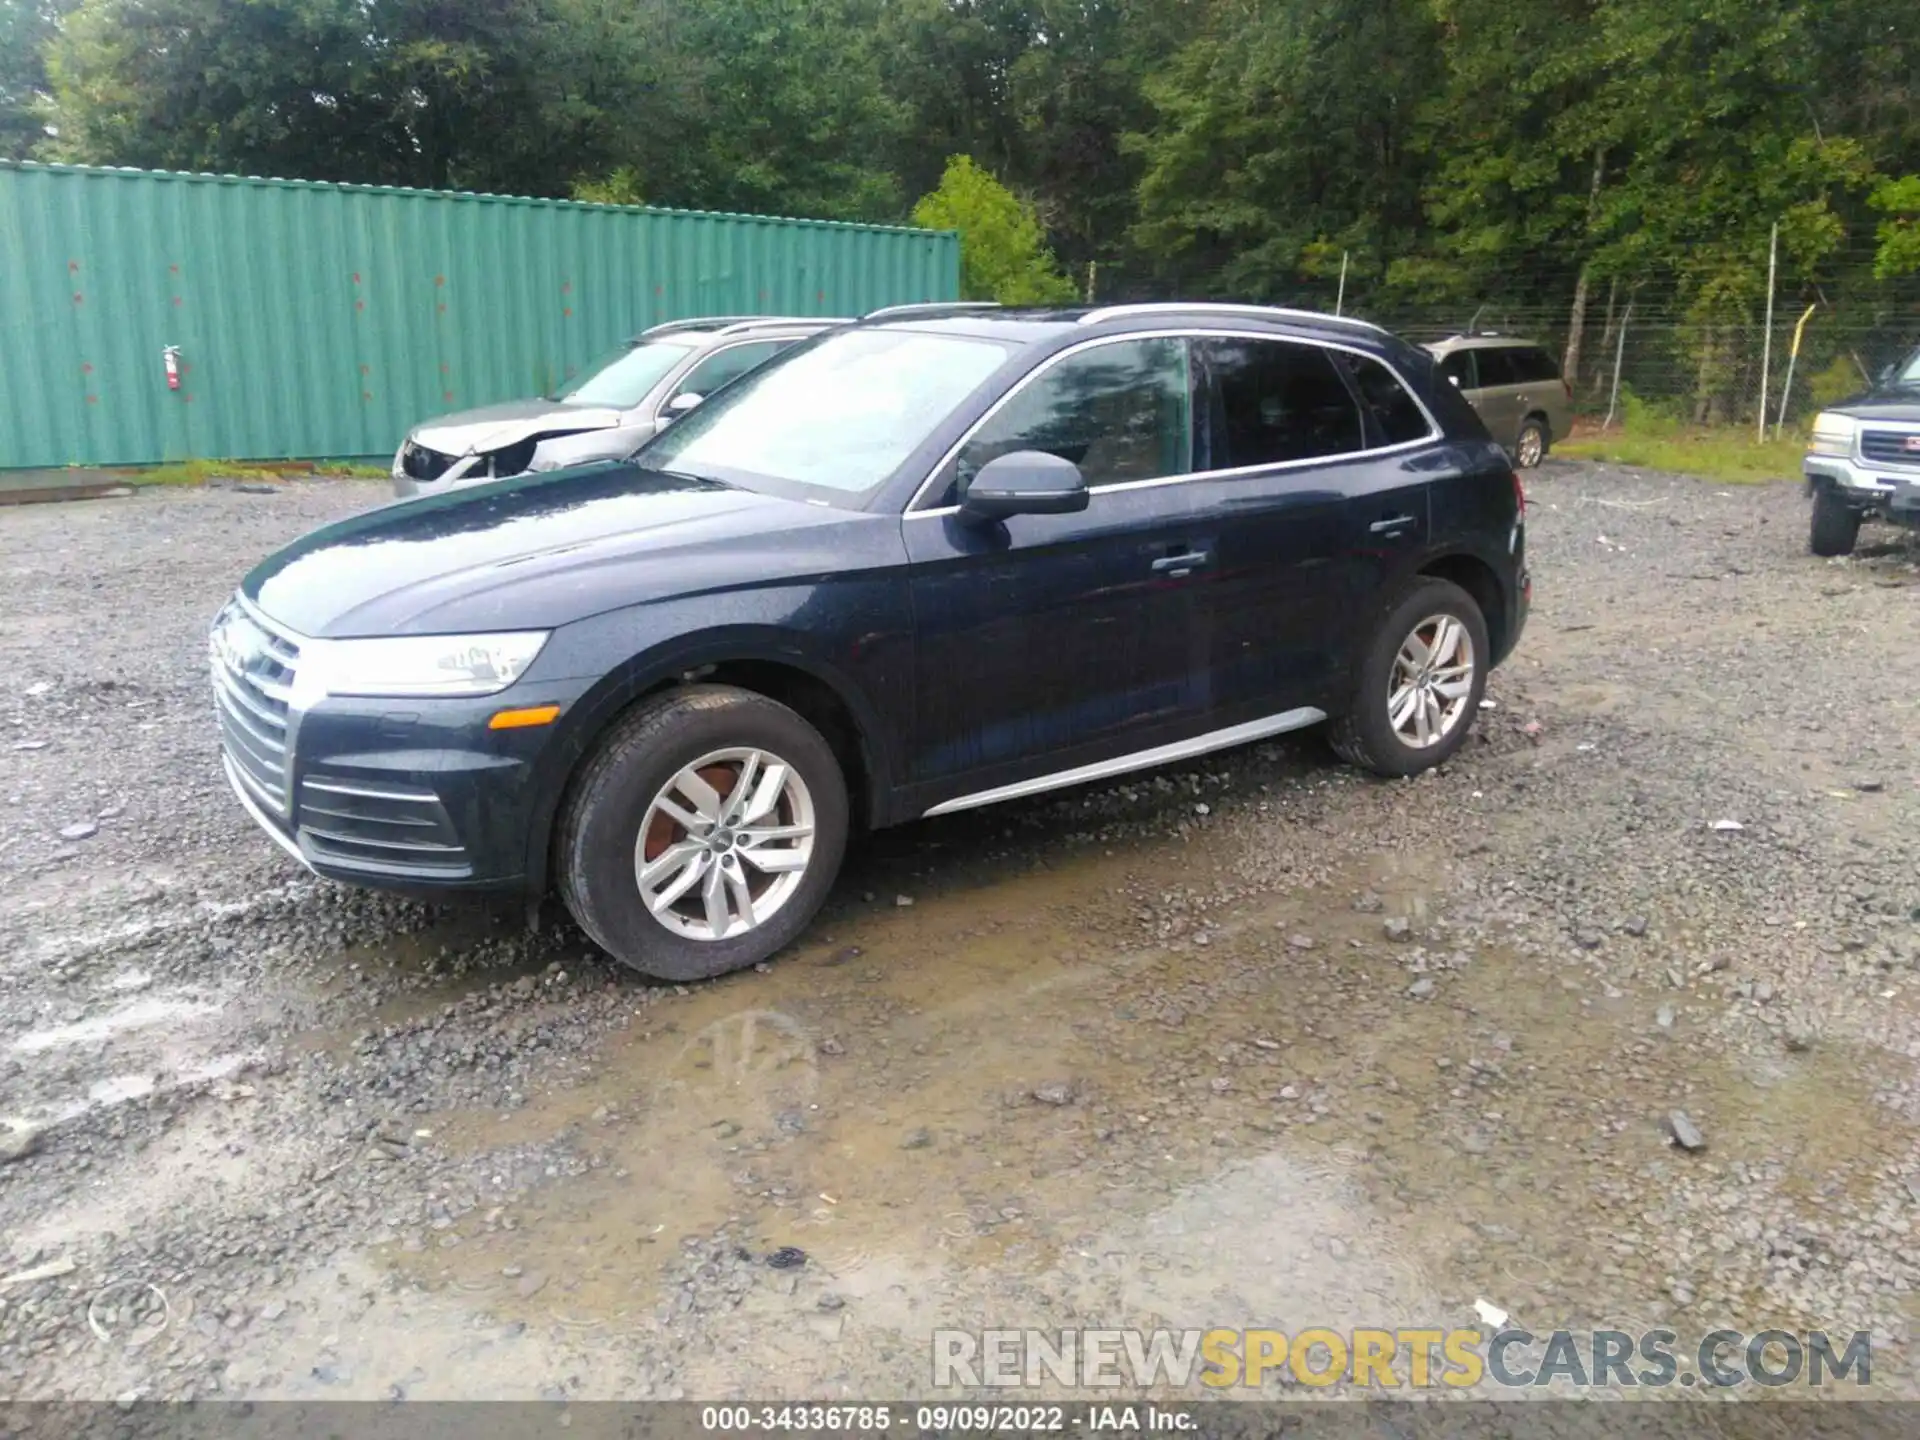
{"x": 1003, "y": 255}
{"x": 1285, "y": 127}
{"x": 1899, "y": 233}
{"x": 26, "y": 28}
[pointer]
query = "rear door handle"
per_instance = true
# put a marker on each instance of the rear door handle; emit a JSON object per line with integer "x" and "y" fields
{"x": 1393, "y": 525}
{"x": 1178, "y": 565}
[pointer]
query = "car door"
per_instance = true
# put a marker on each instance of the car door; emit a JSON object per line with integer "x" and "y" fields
{"x": 1045, "y": 642}
{"x": 1495, "y": 389}
{"x": 1305, "y": 493}
{"x": 1538, "y": 391}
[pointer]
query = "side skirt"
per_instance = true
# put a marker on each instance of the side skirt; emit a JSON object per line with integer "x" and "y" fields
{"x": 1139, "y": 760}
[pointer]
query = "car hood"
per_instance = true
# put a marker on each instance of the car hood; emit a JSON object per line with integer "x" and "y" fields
{"x": 1883, "y": 402}
{"x": 493, "y": 427}
{"x": 537, "y": 551}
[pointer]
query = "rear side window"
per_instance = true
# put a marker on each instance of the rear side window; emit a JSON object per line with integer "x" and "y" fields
{"x": 1495, "y": 367}
{"x": 1122, "y": 412}
{"x": 1396, "y": 415}
{"x": 1533, "y": 365}
{"x": 1271, "y": 401}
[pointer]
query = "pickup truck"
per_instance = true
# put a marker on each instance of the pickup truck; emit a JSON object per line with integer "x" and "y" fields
{"x": 1863, "y": 460}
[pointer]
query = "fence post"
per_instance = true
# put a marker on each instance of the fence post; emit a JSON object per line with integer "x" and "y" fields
{"x": 1766, "y": 340}
{"x": 1793, "y": 357}
{"x": 1340, "y": 299}
{"x": 1619, "y": 351}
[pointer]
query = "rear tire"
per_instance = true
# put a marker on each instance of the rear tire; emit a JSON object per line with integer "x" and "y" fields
{"x": 1836, "y": 524}
{"x": 706, "y": 754}
{"x": 1531, "y": 447}
{"x": 1392, "y": 682}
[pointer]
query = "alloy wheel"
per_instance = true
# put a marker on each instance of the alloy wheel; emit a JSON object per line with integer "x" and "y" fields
{"x": 1432, "y": 682}
{"x": 725, "y": 844}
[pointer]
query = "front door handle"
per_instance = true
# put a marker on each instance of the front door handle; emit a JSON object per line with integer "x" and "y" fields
{"x": 1178, "y": 565}
{"x": 1394, "y": 525}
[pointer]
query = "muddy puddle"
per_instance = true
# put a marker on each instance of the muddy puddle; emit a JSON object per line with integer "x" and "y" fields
{"x": 1023, "y": 1102}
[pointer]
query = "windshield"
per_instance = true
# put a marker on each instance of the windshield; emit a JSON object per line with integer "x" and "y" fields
{"x": 1908, "y": 372}
{"x": 623, "y": 378}
{"x": 841, "y": 414}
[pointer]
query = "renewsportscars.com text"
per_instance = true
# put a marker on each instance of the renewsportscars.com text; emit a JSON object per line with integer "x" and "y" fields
{"x": 1396, "y": 1359}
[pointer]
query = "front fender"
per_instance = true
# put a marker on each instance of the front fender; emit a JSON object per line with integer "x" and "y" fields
{"x": 869, "y": 672}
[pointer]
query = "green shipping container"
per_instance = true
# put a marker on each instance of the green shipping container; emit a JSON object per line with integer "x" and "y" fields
{"x": 322, "y": 321}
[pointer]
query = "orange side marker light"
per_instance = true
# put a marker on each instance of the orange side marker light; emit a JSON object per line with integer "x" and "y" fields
{"x": 522, "y": 719}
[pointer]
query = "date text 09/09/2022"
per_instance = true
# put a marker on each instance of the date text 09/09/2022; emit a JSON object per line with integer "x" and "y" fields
{"x": 938, "y": 1419}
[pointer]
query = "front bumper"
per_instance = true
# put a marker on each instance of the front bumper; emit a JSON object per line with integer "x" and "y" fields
{"x": 1867, "y": 486}
{"x": 415, "y": 795}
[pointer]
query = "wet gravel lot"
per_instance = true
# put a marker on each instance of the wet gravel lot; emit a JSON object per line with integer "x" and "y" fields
{"x": 1254, "y": 1042}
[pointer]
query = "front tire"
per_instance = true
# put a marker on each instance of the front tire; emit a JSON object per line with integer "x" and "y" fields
{"x": 703, "y": 834}
{"x": 1418, "y": 685}
{"x": 1836, "y": 524}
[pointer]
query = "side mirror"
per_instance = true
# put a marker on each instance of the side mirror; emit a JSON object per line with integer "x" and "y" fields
{"x": 683, "y": 402}
{"x": 1025, "y": 482}
{"x": 1454, "y": 380}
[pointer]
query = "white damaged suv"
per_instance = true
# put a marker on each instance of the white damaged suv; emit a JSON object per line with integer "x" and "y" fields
{"x": 604, "y": 413}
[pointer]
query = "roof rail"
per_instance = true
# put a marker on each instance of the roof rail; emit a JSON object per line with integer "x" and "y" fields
{"x": 1168, "y": 307}
{"x": 697, "y": 322}
{"x": 759, "y": 321}
{"x": 930, "y": 307}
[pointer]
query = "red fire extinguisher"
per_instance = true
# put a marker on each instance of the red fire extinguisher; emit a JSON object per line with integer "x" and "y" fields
{"x": 171, "y": 355}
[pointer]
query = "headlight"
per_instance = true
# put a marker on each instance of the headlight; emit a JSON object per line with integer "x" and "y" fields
{"x": 1832, "y": 434}
{"x": 418, "y": 665}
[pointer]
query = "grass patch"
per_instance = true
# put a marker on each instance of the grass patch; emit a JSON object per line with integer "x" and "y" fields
{"x": 199, "y": 472}
{"x": 1726, "y": 455}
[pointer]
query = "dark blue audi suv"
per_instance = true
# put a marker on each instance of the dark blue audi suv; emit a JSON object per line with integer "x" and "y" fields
{"x": 934, "y": 559}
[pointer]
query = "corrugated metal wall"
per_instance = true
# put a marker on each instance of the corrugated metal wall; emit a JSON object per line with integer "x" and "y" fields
{"x": 324, "y": 320}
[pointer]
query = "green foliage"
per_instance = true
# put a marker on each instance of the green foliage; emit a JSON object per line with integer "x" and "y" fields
{"x": 1835, "y": 382}
{"x": 27, "y": 27}
{"x": 1003, "y": 254}
{"x": 622, "y": 187}
{"x": 1722, "y": 454}
{"x": 1899, "y": 233}
{"x": 200, "y": 472}
{"x": 1459, "y": 156}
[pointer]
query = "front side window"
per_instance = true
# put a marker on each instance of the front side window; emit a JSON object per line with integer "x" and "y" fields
{"x": 728, "y": 364}
{"x": 1397, "y": 417}
{"x": 623, "y": 378}
{"x": 840, "y": 414}
{"x": 1273, "y": 401}
{"x": 1458, "y": 367}
{"x": 1122, "y": 412}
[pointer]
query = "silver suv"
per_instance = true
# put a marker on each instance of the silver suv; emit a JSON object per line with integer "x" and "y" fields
{"x": 1516, "y": 387}
{"x": 604, "y": 413}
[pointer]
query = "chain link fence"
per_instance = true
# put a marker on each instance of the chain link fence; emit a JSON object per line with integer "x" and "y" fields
{"x": 1644, "y": 357}
{"x": 1638, "y": 364}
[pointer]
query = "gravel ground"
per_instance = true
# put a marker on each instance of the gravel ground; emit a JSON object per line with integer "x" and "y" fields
{"x": 1256, "y": 1042}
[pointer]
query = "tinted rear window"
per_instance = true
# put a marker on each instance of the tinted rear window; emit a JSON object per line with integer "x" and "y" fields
{"x": 1396, "y": 416}
{"x": 1274, "y": 401}
{"x": 1531, "y": 364}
